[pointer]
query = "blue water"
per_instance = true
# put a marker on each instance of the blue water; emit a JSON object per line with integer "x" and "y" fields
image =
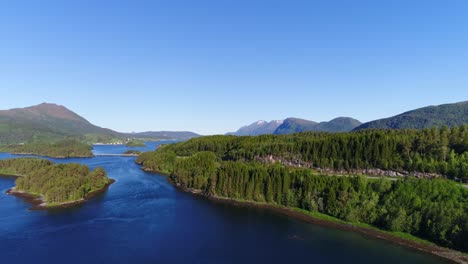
{"x": 119, "y": 149}
{"x": 144, "y": 219}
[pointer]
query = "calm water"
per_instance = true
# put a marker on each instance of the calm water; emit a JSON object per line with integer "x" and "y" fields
{"x": 143, "y": 219}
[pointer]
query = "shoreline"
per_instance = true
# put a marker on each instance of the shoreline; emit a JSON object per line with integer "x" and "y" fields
{"x": 54, "y": 157}
{"x": 38, "y": 202}
{"x": 429, "y": 248}
{"x": 11, "y": 175}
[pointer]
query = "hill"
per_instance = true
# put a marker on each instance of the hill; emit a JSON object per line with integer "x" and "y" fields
{"x": 47, "y": 122}
{"x": 258, "y": 128}
{"x": 296, "y": 125}
{"x": 340, "y": 124}
{"x": 431, "y": 116}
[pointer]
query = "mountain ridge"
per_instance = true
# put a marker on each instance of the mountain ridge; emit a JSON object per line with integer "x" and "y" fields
{"x": 296, "y": 125}
{"x": 424, "y": 117}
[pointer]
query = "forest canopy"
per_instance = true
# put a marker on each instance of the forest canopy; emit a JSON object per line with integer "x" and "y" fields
{"x": 57, "y": 183}
{"x": 443, "y": 151}
{"x": 66, "y": 148}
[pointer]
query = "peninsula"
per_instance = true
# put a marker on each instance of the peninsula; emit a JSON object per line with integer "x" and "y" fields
{"x": 67, "y": 148}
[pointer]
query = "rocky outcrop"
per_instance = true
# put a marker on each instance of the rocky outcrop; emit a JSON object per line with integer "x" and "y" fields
{"x": 298, "y": 163}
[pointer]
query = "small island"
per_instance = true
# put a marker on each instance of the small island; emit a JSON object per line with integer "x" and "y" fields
{"x": 66, "y": 148}
{"x": 47, "y": 185}
{"x": 135, "y": 143}
{"x": 135, "y": 153}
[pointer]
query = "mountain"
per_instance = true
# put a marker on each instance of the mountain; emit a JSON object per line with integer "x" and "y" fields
{"x": 46, "y": 122}
{"x": 258, "y": 128}
{"x": 51, "y": 122}
{"x": 295, "y": 125}
{"x": 177, "y": 135}
{"x": 430, "y": 116}
{"x": 340, "y": 124}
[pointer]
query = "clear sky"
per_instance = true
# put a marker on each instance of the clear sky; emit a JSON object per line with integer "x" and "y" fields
{"x": 213, "y": 66}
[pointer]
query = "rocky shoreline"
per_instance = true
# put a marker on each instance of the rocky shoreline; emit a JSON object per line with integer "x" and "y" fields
{"x": 444, "y": 253}
{"x": 55, "y": 157}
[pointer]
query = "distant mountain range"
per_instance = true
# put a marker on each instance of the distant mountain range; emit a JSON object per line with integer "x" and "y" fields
{"x": 296, "y": 125}
{"x": 426, "y": 117}
{"x": 50, "y": 122}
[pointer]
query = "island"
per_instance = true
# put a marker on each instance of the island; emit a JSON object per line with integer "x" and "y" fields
{"x": 66, "y": 148}
{"x": 132, "y": 152}
{"x": 398, "y": 184}
{"x": 135, "y": 143}
{"x": 47, "y": 185}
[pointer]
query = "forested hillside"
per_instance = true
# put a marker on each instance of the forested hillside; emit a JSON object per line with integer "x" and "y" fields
{"x": 431, "y": 116}
{"x": 443, "y": 151}
{"x": 62, "y": 149}
{"x": 436, "y": 210}
{"x": 58, "y": 183}
{"x": 296, "y": 125}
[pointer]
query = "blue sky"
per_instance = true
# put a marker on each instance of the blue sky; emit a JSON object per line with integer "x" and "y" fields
{"x": 213, "y": 66}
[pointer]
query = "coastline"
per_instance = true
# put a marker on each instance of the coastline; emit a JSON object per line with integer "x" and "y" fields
{"x": 38, "y": 202}
{"x": 11, "y": 175}
{"x": 54, "y": 157}
{"x": 302, "y": 215}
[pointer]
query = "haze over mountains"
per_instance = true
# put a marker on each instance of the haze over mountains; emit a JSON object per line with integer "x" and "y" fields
{"x": 49, "y": 122}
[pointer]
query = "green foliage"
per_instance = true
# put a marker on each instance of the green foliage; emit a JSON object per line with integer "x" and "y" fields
{"x": 443, "y": 151}
{"x": 135, "y": 143}
{"x": 295, "y": 125}
{"x": 100, "y": 138}
{"x": 63, "y": 149}
{"x": 132, "y": 152}
{"x": 57, "y": 183}
{"x": 436, "y": 210}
